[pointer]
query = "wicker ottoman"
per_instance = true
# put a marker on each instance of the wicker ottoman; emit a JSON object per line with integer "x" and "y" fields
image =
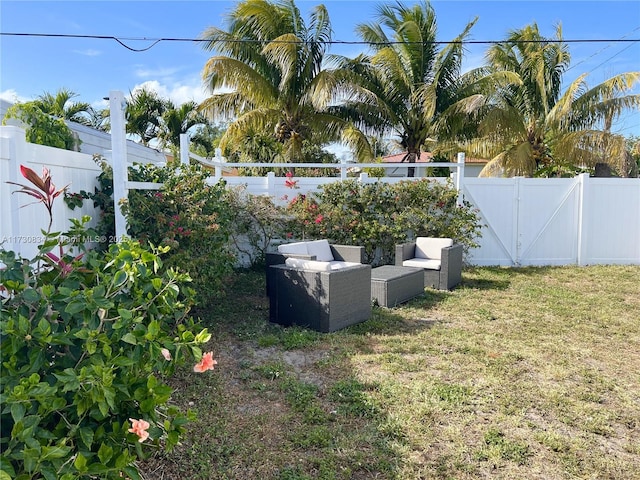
{"x": 391, "y": 285}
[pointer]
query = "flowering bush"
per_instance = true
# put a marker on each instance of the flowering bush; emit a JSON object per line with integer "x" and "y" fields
{"x": 86, "y": 343}
{"x": 377, "y": 216}
{"x": 188, "y": 215}
{"x": 102, "y": 196}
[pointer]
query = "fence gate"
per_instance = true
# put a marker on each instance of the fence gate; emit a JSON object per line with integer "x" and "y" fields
{"x": 544, "y": 213}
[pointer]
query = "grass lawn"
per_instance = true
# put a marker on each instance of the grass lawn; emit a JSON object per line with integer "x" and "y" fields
{"x": 530, "y": 373}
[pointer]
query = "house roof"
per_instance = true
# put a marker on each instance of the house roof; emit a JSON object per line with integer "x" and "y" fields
{"x": 425, "y": 157}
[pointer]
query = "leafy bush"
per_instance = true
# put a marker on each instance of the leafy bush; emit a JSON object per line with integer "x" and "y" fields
{"x": 193, "y": 218}
{"x": 187, "y": 214}
{"x": 86, "y": 344}
{"x": 377, "y": 216}
{"x": 102, "y": 196}
{"x": 42, "y": 128}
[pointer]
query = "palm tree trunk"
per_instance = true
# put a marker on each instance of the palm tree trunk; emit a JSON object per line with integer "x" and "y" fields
{"x": 410, "y": 157}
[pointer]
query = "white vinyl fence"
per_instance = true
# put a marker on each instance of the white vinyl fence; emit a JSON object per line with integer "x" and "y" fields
{"x": 22, "y": 219}
{"x": 527, "y": 221}
{"x": 535, "y": 221}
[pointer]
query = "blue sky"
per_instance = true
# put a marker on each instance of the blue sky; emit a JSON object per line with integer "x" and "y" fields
{"x": 30, "y": 66}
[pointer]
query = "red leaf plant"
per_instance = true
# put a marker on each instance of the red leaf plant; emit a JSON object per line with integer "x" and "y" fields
{"x": 44, "y": 191}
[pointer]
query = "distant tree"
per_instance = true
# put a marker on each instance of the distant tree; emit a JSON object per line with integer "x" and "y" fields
{"x": 532, "y": 127}
{"x": 409, "y": 81}
{"x": 633, "y": 147}
{"x": 60, "y": 105}
{"x": 99, "y": 119}
{"x": 205, "y": 139}
{"x": 143, "y": 113}
{"x": 44, "y": 118}
{"x": 178, "y": 120}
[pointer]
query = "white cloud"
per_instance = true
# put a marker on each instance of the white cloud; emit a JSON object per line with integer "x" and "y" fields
{"x": 178, "y": 92}
{"x": 12, "y": 96}
{"x": 158, "y": 72}
{"x": 88, "y": 52}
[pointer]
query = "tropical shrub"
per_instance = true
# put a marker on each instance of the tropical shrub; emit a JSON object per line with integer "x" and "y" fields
{"x": 102, "y": 196}
{"x": 190, "y": 216}
{"x": 187, "y": 214}
{"x": 379, "y": 215}
{"x": 87, "y": 341}
{"x": 42, "y": 128}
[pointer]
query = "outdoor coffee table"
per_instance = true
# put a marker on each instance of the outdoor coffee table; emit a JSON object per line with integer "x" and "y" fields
{"x": 391, "y": 285}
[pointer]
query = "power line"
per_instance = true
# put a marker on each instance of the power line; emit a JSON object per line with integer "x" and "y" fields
{"x": 602, "y": 50}
{"x": 155, "y": 41}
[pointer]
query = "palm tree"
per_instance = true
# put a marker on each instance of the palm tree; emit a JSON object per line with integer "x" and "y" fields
{"x": 269, "y": 77}
{"x": 143, "y": 112}
{"x": 176, "y": 121}
{"x": 61, "y": 105}
{"x": 99, "y": 119}
{"x": 530, "y": 125}
{"x": 409, "y": 82}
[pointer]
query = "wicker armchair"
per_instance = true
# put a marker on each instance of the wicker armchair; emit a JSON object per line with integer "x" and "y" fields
{"x": 344, "y": 253}
{"x": 321, "y": 300}
{"x": 320, "y": 286}
{"x": 440, "y": 258}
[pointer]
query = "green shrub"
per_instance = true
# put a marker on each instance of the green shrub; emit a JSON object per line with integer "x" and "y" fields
{"x": 42, "y": 128}
{"x": 102, "y": 195}
{"x": 379, "y": 215}
{"x": 86, "y": 343}
{"x": 84, "y": 348}
{"x": 193, "y": 218}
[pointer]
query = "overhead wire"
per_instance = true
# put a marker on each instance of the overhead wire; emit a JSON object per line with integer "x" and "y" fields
{"x": 602, "y": 50}
{"x": 155, "y": 41}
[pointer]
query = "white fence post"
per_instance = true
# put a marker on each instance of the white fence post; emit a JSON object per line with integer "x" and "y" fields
{"x": 343, "y": 168}
{"x": 119, "y": 160}
{"x": 184, "y": 149}
{"x": 218, "y": 158}
{"x": 271, "y": 184}
{"x": 583, "y": 180}
{"x": 460, "y": 177}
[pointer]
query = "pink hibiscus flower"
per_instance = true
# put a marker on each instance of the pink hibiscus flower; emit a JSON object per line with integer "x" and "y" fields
{"x": 139, "y": 427}
{"x": 207, "y": 363}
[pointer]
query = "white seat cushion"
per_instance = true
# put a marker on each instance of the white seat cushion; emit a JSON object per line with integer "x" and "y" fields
{"x": 297, "y": 248}
{"x": 338, "y": 265}
{"x": 321, "y": 249}
{"x": 316, "y": 266}
{"x": 429, "y": 247}
{"x": 428, "y": 263}
{"x": 302, "y": 264}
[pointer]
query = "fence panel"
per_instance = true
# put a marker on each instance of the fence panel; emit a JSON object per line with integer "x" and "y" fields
{"x": 495, "y": 199}
{"x": 531, "y": 221}
{"x": 547, "y": 223}
{"x": 22, "y": 220}
{"x": 611, "y": 221}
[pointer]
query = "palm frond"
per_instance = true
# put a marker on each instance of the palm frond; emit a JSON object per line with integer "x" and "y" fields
{"x": 283, "y": 51}
{"x": 225, "y": 106}
{"x": 226, "y": 72}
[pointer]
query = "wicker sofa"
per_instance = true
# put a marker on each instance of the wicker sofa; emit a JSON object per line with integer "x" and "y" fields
{"x": 440, "y": 258}
{"x": 317, "y": 291}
